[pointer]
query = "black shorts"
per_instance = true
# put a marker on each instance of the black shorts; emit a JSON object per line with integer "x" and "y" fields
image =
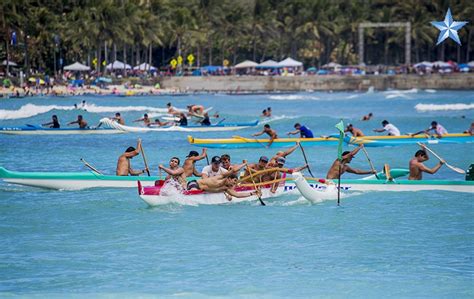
{"x": 193, "y": 185}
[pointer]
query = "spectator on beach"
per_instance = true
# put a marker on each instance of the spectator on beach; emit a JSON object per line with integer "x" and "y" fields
{"x": 388, "y": 127}
{"x": 302, "y": 130}
{"x": 354, "y": 131}
{"x": 367, "y": 117}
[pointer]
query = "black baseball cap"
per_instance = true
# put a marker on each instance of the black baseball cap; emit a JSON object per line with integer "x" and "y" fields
{"x": 192, "y": 154}
{"x": 281, "y": 160}
{"x": 216, "y": 159}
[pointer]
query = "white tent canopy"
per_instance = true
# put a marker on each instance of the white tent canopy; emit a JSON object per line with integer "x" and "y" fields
{"x": 332, "y": 65}
{"x": 118, "y": 65}
{"x": 269, "y": 63}
{"x": 423, "y": 64}
{"x": 77, "y": 66}
{"x": 144, "y": 67}
{"x": 246, "y": 64}
{"x": 471, "y": 63}
{"x": 440, "y": 63}
{"x": 290, "y": 62}
{"x": 10, "y": 63}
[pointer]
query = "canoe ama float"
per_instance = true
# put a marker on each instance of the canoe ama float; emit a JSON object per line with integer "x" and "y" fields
{"x": 191, "y": 128}
{"x": 86, "y": 180}
{"x": 243, "y": 142}
{"x": 368, "y": 141}
{"x": 38, "y": 130}
{"x": 377, "y": 141}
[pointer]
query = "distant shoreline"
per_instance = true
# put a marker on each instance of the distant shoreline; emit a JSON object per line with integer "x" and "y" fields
{"x": 248, "y": 85}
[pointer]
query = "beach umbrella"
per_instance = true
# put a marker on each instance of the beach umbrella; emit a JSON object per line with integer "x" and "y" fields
{"x": 312, "y": 69}
{"x": 246, "y": 64}
{"x": 423, "y": 64}
{"x": 442, "y": 64}
{"x": 332, "y": 65}
{"x": 322, "y": 72}
{"x": 464, "y": 67}
{"x": 76, "y": 66}
{"x": 471, "y": 64}
{"x": 290, "y": 62}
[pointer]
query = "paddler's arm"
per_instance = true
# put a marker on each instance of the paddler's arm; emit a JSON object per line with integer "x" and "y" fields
{"x": 259, "y": 133}
{"x": 433, "y": 170}
{"x": 196, "y": 173}
{"x": 293, "y": 132}
{"x": 354, "y": 152}
{"x": 47, "y": 124}
{"x": 236, "y": 194}
{"x": 379, "y": 130}
{"x": 291, "y": 149}
{"x": 358, "y": 171}
{"x": 170, "y": 171}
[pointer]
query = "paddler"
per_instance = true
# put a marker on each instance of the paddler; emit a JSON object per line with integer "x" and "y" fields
{"x": 144, "y": 119}
{"x": 354, "y": 131}
{"x": 172, "y": 110}
{"x": 189, "y": 164}
{"x": 123, "y": 164}
{"x": 302, "y": 130}
{"x": 118, "y": 118}
{"x": 54, "y": 124}
{"x": 276, "y": 175}
{"x": 388, "y": 127}
{"x": 270, "y": 132}
{"x": 347, "y": 156}
{"x": 438, "y": 129}
{"x": 417, "y": 167}
{"x": 196, "y": 110}
{"x": 282, "y": 154}
{"x": 205, "y": 121}
{"x": 175, "y": 172}
{"x": 221, "y": 183}
{"x": 367, "y": 117}
{"x": 183, "y": 121}
{"x": 80, "y": 121}
{"x": 214, "y": 169}
{"x": 470, "y": 131}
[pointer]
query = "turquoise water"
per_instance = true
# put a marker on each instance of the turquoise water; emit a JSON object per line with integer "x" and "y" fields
{"x": 376, "y": 244}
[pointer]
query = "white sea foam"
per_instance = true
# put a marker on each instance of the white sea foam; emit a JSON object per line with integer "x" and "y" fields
{"x": 30, "y": 110}
{"x": 444, "y": 107}
{"x": 352, "y": 96}
{"x": 276, "y": 117}
{"x": 397, "y": 95}
{"x": 398, "y": 91}
{"x": 430, "y": 90}
{"x": 293, "y": 97}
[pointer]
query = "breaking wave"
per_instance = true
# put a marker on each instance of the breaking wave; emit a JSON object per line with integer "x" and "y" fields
{"x": 293, "y": 97}
{"x": 444, "y": 107}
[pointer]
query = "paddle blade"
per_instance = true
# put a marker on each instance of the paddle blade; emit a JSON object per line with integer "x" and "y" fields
{"x": 456, "y": 169}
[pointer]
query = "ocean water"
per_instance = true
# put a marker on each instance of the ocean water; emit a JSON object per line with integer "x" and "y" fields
{"x": 107, "y": 242}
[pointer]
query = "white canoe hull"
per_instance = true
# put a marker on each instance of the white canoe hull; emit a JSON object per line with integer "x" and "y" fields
{"x": 65, "y": 184}
{"x": 204, "y": 199}
{"x": 60, "y": 132}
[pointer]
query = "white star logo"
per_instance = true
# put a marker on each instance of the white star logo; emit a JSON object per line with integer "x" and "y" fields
{"x": 448, "y": 28}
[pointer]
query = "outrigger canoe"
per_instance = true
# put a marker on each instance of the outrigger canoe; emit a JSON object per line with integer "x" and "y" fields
{"x": 85, "y": 180}
{"x": 158, "y": 195}
{"x": 377, "y": 141}
{"x": 369, "y": 141}
{"x": 243, "y": 142}
{"x": 191, "y": 128}
{"x": 38, "y": 130}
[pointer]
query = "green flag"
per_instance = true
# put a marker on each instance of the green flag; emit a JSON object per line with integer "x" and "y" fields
{"x": 340, "y": 127}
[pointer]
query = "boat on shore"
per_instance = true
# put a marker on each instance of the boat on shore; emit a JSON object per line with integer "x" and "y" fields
{"x": 368, "y": 141}
{"x": 190, "y": 128}
{"x": 243, "y": 142}
{"x": 39, "y": 130}
{"x": 378, "y": 141}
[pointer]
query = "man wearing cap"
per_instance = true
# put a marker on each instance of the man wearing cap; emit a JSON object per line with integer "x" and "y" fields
{"x": 260, "y": 165}
{"x": 270, "y": 132}
{"x": 214, "y": 169}
{"x": 347, "y": 156}
{"x": 123, "y": 164}
{"x": 354, "y": 131}
{"x": 283, "y": 154}
{"x": 189, "y": 163}
{"x": 388, "y": 127}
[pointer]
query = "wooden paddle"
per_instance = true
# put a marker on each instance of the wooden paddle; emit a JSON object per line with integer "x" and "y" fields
{"x": 144, "y": 160}
{"x": 90, "y": 166}
{"x": 255, "y": 186}
{"x": 305, "y": 160}
{"x": 370, "y": 163}
{"x": 453, "y": 168}
{"x": 248, "y": 140}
